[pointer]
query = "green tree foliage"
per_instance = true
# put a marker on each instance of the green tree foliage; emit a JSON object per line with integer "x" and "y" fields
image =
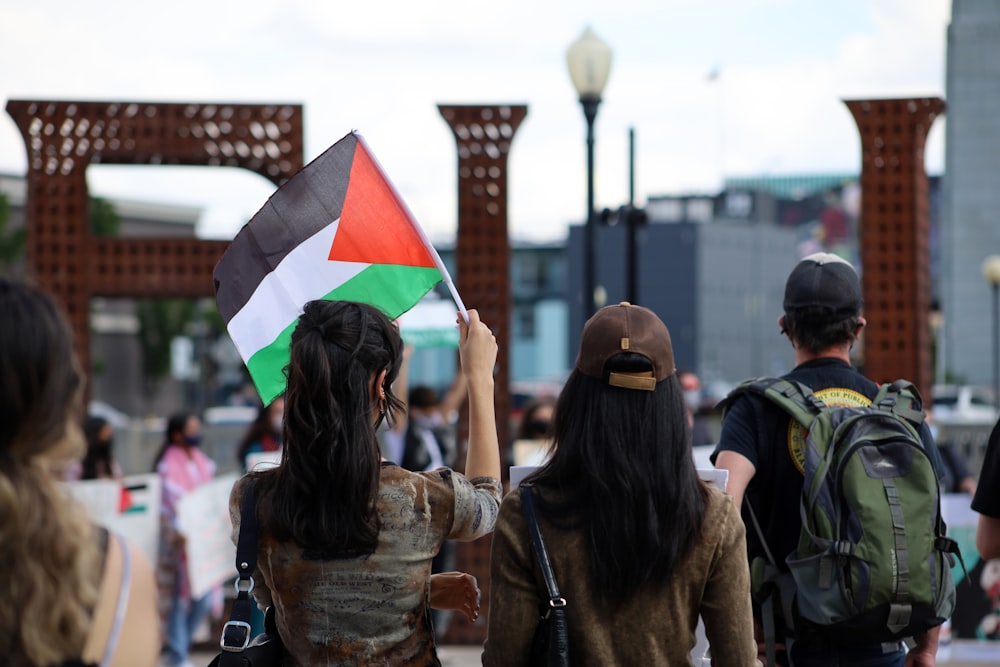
{"x": 160, "y": 321}
{"x": 11, "y": 240}
{"x": 104, "y": 219}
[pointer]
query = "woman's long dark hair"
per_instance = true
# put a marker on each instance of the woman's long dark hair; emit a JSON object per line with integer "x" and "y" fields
{"x": 323, "y": 495}
{"x": 622, "y": 472}
{"x": 99, "y": 460}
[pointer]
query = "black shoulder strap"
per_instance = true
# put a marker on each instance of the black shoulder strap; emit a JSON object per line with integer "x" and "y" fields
{"x": 236, "y": 634}
{"x": 528, "y": 507}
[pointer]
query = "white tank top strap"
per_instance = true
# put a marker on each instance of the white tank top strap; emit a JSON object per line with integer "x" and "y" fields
{"x": 123, "y": 592}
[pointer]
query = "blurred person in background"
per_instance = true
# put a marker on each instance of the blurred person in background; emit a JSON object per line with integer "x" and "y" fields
{"x": 955, "y": 476}
{"x": 263, "y": 436}
{"x": 691, "y": 386}
{"x": 182, "y": 468}
{"x": 99, "y": 461}
{"x": 422, "y": 438}
{"x": 534, "y": 432}
{"x": 76, "y": 595}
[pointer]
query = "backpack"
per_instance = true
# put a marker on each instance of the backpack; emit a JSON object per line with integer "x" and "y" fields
{"x": 873, "y": 562}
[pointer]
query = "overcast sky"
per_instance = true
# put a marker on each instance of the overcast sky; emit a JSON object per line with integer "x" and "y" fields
{"x": 774, "y": 105}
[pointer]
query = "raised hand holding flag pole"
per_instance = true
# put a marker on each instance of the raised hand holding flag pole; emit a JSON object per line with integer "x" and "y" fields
{"x": 336, "y": 230}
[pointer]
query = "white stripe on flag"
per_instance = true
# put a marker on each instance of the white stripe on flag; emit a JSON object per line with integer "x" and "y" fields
{"x": 303, "y": 275}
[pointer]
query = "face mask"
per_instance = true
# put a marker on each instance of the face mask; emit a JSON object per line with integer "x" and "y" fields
{"x": 193, "y": 440}
{"x": 692, "y": 398}
{"x": 538, "y": 428}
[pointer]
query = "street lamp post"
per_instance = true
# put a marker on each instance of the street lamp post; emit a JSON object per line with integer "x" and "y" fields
{"x": 991, "y": 271}
{"x": 589, "y": 63}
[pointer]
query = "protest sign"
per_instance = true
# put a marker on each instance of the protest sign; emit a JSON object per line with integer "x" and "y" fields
{"x": 977, "y": 609}
{"x": 130, "y": 507}
{"x": 263, "y": 460}
{"x": 203, "y": 518}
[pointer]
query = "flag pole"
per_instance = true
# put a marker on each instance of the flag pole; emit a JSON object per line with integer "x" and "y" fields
{"x": 446, "y": 276}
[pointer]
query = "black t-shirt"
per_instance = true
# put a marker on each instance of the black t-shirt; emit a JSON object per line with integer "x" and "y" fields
{"x": 987, "y": 498}
{"x": 769, "y": 438}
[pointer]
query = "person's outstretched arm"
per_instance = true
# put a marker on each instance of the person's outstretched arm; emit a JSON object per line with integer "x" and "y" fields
{"x": 987, "y": 500}
{"x": 988, "y": 537}
{"x": 478, "y": 352}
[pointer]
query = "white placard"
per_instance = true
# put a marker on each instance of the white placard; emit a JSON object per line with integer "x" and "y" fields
{"x": 518, "y": 473}
{"x": 713, "y": 476}
{"x": 203, "y": 518}
{"x": 717, "y": 477}
{"x": 138, "y": 522}
{"x": 263, "y": 460}
{"x": 531, "y": 452}
{"x": 100, "y": 497}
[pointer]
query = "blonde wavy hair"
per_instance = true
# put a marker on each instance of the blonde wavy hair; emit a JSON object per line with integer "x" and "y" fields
{"x": 51, "y": 561}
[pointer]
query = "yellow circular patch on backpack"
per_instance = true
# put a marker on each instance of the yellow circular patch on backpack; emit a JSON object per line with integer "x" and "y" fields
{"x": 832, "y": 397}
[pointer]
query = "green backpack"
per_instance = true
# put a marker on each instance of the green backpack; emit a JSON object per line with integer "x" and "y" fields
{"x": 873, "y": 562}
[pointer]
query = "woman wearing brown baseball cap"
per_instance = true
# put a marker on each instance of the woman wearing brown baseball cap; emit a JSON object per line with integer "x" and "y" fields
{"x": 639, "y": 545}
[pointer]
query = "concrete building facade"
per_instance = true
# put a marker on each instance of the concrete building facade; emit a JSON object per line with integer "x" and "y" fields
{"x": 971, "y": 196}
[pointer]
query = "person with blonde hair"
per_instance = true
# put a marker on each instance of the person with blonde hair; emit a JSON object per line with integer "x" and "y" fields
{"x": 74, "y": 594}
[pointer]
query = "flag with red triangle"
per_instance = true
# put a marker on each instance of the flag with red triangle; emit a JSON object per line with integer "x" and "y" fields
{"x": 336, "y": 230}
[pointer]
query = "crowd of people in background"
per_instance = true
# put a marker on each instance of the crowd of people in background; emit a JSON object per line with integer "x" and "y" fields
{"x": 359, "y": 502}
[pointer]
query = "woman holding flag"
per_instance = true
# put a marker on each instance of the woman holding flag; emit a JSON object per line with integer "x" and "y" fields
{"x": 346, "y": 539}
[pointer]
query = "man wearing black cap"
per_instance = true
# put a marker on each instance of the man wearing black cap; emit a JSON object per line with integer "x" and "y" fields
{"x": 763, "y": 448}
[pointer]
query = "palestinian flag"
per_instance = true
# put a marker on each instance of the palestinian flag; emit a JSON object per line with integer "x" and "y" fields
{"x": 336, "y": 230}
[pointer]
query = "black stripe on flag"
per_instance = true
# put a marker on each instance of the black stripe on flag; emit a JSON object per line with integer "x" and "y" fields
{"x": 303, "y": 205}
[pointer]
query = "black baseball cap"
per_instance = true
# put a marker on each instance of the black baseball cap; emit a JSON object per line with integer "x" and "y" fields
{"x": 827, "y": 281}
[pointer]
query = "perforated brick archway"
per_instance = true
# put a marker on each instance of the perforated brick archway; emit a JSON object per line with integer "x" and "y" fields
{"x": 483, "y": 135}
{"x": 64, "y": 138}
{"x": 894, "y": 237}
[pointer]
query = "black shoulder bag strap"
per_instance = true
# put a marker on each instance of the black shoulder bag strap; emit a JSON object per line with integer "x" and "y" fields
{"x": 555, "y": 615}
{"x": 236, "y": 634}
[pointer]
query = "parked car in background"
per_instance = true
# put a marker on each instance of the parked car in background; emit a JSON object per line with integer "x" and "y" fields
{"x": 963, "y": 404}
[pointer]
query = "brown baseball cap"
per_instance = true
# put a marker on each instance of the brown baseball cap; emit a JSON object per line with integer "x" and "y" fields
{"x": 626, "y": 328}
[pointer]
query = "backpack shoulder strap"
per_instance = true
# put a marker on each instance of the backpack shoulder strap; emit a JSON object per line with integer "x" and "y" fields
{"x": 793, "y": 397}
{"x": 902, "y": 399}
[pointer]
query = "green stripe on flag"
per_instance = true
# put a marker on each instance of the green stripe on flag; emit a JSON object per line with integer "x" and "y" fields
{"x": 392, "y": 288}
